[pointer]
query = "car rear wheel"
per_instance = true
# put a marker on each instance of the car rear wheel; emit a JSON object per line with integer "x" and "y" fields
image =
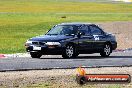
{"x": 69, "y": 51}
{"x": 35, "y": 54}
{"x": 106, "y": 50}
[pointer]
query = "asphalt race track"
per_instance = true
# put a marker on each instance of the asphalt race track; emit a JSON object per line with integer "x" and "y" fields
{"x": 56, "y": 61}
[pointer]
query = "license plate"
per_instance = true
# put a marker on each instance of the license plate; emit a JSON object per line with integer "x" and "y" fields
{"x": 36, "y": 48}
{"x": 51, "y": 46}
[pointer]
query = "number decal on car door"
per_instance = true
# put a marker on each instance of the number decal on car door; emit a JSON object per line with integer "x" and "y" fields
{"x": 96, "y": 37}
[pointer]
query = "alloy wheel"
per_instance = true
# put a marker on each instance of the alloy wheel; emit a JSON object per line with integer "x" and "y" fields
{"x": 69, "y": 51}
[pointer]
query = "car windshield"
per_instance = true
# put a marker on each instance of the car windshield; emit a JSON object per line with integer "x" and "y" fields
{"x": 63, "y": 30}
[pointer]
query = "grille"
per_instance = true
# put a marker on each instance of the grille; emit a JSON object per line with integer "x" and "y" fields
{"x": 38, "y": 43}
{"x": 41, "y": 43}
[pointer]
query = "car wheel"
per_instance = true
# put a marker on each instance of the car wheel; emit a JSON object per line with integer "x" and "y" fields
{"x": 69, "y": 51}
{"x": 106, "y": 50}
{"x": 35, "y": 54}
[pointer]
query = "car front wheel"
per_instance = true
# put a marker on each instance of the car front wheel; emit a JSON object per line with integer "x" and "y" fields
{"x": 106, "y": 50}
{"x": 35, "y": 54}
{"x": 69, "y": 51}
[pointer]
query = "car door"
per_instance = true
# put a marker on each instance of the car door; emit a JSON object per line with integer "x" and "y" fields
{"x": 85, "y": 40}
{"x": 99, "y": 37}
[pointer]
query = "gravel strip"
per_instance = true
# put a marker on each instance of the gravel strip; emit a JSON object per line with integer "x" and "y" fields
{"x": 59, "y": 78}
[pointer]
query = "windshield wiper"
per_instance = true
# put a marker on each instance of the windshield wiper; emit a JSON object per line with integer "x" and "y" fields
{"x": 52, "y": 34}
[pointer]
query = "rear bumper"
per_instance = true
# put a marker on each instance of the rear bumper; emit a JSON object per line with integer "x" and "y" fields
{"x": 114, "y": 45}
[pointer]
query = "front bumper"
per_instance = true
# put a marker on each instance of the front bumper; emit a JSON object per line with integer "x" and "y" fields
{"x": 47, "y": 50}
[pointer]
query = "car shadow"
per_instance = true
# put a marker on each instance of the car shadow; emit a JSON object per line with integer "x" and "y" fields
{"x": 89, "y": 57}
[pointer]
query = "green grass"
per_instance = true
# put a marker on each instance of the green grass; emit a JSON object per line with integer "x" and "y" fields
{"x": 23, "y": 19}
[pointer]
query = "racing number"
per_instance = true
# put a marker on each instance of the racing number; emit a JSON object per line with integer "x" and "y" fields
{"x": 96, "y": 37}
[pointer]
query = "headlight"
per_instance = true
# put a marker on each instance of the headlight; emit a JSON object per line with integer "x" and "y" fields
{"x": 29, "y": 42}
{"x": 53, "y": 43}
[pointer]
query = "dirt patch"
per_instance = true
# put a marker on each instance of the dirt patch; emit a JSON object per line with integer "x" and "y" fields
{"x": 61, "y": 78}
{"x": 122, "y": 31}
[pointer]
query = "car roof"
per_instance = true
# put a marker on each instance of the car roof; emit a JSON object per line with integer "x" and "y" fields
{"x": 76, "y": 23}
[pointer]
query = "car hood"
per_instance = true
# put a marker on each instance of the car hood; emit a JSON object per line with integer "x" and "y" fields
{"x": 50, "y": 38}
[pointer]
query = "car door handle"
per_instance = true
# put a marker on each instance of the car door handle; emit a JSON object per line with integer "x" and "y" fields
{"x": 90, "y": 37}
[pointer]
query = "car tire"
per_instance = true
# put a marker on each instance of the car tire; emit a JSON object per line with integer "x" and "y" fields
{"x": 69, "y": 51}
{"x": 106, "y": 50}
{"x": 35, "y": 54}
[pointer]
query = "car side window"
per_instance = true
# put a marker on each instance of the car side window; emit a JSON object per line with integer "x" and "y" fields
{"x": 95, "y": 30}
{"x": 84, "y": 29}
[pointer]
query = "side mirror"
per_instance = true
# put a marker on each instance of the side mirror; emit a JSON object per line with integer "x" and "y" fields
{"x": 80, "y": 33}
